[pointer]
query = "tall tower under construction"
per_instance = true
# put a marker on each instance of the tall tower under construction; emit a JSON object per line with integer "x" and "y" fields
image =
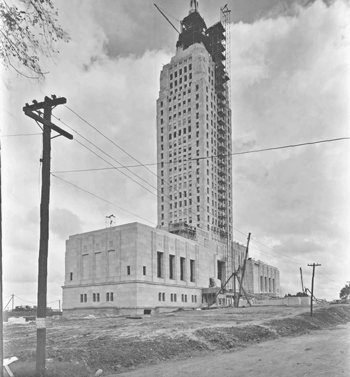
{"x": 194, "y": 132}
{"x": 190, "y": 260}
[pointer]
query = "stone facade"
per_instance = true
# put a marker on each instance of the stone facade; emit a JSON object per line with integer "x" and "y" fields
{"x": 128, "y": 269}
{"x": 136, "y": 268}
{"x": 195, "y": 191}
{"x": 261, "y": 278}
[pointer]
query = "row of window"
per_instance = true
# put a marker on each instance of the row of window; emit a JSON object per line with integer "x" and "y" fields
{"x": 180, "y": 71}
{"x": 267, "y": 284}
{"x": 96, "y": 297}
{"x": 182, "y": 260}
{"x": 173, "y": 297}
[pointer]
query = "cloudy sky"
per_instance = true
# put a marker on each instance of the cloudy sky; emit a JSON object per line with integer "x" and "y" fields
{"x": 290, "y": 84}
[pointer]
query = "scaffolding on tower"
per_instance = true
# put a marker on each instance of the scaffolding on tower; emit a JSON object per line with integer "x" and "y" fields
{"x": 219, "y": 47}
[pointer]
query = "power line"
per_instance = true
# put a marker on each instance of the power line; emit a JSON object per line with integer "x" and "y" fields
{"x": 270, "y": 255}
{"x": 326, "y": 275}
{"x": 215, "y": 156}
{"x": 208, "y": 157}
{"x": 15, "y": 135}
{"x": 114, "y": 167}
{"x": 98, "y": 197}
{"x": 107, "y": 138}
{"x": 261, "y": 244}
{"x": 109, "y": 157}
{"x": 291, "y": 146}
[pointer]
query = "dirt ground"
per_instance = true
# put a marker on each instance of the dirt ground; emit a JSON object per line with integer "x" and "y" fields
{"x": 120, "y": 344}
{"x": 320, "y": 353}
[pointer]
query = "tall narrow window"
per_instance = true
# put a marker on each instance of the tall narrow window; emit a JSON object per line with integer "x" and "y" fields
{"x": 107, "y": 296}
{"x": 97, "y": 297}
{"x": 144, "y": 270}
{"x": 221, "y": 266}
{"x": 128, "y": 270}
{"x": 171, "y": 266}
{"x": 159, "y": 264}
{"x": 111, "y": 296}
{"x": 94, "y": 297}
{"x": 81, "y": 298}
{"x": 192, "y": 270}
{"x": 182, "y": 268}
{"x": 71, "y": 276}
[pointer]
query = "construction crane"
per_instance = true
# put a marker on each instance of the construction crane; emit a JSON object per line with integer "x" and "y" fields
{"x": 166, "y": 18}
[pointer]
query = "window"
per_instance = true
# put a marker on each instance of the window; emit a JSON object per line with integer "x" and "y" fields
{"x": 144, "y": 270}
{"x": 175, "y": 297}
{"x": 94, "y": 297}
{"x": 163, "y": 296}
{"x": 182, "y": 268}
{"x": 192, "y": 272}
{"x": 160, "y": 296}
{"x": 85, "y": 297}
{"x": 128, "y": 270}
{"x": 81, "y": 298}
{"x": 185, "y": 298}
{"x": 107, "y": 296}
{"x": 111, "y": 298}
{"x": 171, "y": 266}
{"x": 71, "y": 276}
{"x": 98, "y": 297}
{"x": 171, "y": 297}
{"x": 159, "y": 264}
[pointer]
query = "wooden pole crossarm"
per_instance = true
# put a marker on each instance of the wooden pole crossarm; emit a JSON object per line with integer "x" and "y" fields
{"x": 38, "y": 118}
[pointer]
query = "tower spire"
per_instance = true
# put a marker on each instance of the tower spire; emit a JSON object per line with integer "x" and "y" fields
{"x": 194, "y": 6}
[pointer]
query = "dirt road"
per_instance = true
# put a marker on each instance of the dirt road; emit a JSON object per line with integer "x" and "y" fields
{"x": 320, "y": 353}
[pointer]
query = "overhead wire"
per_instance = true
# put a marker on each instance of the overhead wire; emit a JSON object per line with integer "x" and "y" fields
{"x": 98, "y": 197}
{"x": 212, "y": 156}
{"x": 15, "y": 135}
{"x": 231, "y": 154}
{"x": 83, "y": 137}
{"x": 208, "y": 157}
{"x": 122, "y": 149}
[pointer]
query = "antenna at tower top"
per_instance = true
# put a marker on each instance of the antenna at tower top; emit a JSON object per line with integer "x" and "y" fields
{"x": 194, "y": 6}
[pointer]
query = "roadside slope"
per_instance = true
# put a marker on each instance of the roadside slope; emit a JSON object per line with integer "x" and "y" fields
{"x": 121, "y": 344}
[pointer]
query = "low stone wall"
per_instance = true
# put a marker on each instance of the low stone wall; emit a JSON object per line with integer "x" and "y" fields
{"x": 287, "y": 301}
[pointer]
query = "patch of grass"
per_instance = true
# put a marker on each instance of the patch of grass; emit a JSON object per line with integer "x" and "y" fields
{"x": 54, "y": 369}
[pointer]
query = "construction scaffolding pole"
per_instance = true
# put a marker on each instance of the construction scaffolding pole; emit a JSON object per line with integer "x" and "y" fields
{"x": 243, "y": 271}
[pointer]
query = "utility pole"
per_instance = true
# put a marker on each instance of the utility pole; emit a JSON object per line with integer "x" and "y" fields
{"x": 301, "y": 277}
{"x": 1, "y": 288}
{"x": 33, "y": 112}
{"x": 243, "y": 271}
{"x": 313, "y": 265}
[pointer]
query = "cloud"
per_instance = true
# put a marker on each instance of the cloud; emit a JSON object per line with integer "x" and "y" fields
{"x": 289, "y": 84}
{"x": 64, "y": 223}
